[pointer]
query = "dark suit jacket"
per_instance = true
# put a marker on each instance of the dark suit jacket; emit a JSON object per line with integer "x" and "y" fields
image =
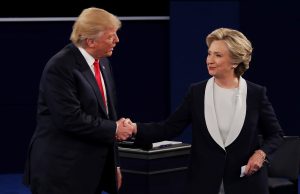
{"x": 73, "y": 150}
{"x": 210, "y": 164}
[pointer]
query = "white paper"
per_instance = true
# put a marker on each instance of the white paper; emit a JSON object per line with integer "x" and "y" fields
{"x": 243, "y": 171}
{"x": 165, "y": 143}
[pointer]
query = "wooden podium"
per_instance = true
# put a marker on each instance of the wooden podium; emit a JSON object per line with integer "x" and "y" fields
{"x": 155, "y": 171}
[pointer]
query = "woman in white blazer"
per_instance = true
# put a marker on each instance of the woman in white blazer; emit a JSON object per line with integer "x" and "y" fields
{"x": 227, "y": 114}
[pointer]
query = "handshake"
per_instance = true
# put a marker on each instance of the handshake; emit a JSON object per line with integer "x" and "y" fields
{"x": 125, "y": 129}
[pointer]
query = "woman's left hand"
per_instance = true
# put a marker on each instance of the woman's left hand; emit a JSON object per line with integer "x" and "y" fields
{"x": 255, "y": 162}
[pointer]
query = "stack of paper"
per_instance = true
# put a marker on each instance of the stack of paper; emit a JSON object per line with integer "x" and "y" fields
{"x": 163, "y": 144}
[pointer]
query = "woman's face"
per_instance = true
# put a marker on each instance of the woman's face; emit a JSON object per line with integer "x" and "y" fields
{"x": 219, "y": 62}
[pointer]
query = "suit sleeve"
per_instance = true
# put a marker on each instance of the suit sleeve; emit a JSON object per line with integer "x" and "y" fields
{"x": 269, "y": 125}
{"x": 168, "y": 129}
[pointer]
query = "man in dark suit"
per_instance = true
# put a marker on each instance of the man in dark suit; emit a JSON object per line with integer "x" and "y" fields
{"x": 73, "y": 149}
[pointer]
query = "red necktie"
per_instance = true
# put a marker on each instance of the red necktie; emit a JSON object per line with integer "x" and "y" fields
{"x": 99, "y": 81}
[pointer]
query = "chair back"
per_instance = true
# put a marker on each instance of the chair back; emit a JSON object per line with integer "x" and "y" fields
{"x": 286, "y": 159}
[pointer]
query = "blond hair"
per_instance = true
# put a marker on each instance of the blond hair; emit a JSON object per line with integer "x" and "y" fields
{"x": 91, "y": 22}
{"x": 239, "y": 46}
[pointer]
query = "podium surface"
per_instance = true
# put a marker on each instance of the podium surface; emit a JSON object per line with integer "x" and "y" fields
{"x": 156, "y": 171}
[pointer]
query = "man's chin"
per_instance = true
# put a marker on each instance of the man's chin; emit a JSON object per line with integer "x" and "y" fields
{"x": 108, "y": 54}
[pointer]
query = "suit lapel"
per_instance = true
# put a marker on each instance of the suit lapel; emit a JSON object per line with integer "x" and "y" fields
{"x": 210, "y": 114}
{"x": 105, "y": 71}
{"x": 91, "y": 79}
{"x": 87, "y": 73}
{"x": 238, "y": 118}
{"x": 239, "y": 114}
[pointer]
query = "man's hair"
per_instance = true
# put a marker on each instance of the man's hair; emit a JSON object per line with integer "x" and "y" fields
{"x": 91, "y": 22}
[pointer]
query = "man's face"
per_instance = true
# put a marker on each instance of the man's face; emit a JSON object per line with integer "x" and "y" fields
{"x": 105, "y": 43}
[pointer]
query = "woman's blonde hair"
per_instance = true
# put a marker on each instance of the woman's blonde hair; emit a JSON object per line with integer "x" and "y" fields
{"x": 239, "y": 46}
{"x": 91, "y": 22}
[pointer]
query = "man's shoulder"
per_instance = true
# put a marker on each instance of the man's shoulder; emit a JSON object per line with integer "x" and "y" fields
{"x": 63, "y": 59}
{"x": 68, "y": 52}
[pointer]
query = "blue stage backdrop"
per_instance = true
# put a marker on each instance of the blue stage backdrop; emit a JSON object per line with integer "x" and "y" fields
{"x": 190, "y": 23}
{"x": 273, "y": 29}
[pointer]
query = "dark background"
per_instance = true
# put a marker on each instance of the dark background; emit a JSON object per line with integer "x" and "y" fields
{"x": 59, "y": 8}
{"x": 154, "y": 63}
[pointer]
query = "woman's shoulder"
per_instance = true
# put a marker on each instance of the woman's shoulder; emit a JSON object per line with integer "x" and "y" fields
{"x": 253, "y": 85}
{"x": 254, "y": 89}
{"x": 198, "y": 85}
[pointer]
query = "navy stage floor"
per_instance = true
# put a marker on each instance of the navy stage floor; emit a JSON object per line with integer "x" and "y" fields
{"x": 12, "y": 184}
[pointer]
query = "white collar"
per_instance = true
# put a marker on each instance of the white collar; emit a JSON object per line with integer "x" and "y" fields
{"x": 89, "y": 59}
{"x": 238, "y": 118}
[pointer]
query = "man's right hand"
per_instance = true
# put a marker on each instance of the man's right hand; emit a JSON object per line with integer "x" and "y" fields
{"x": 125, "y": 129}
